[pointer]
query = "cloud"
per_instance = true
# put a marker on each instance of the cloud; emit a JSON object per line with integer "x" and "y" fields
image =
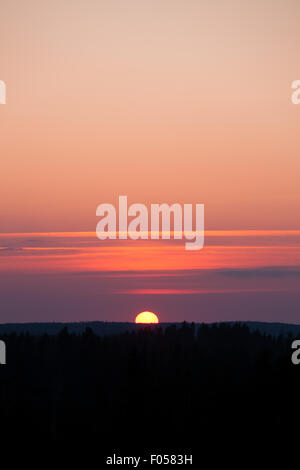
{"x": 265, "y": 272}
{"x": 9, "y": 249}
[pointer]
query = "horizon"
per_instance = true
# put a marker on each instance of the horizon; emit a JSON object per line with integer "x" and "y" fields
{"x": 156, "y": 325}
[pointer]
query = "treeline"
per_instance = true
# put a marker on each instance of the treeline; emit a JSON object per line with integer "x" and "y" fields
{"x": 174, "y": 387}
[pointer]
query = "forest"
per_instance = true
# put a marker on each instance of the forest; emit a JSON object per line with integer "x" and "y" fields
{"x": 177, "y": 388}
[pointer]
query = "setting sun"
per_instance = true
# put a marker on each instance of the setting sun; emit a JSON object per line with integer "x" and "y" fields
{"x": 146, "y": 317}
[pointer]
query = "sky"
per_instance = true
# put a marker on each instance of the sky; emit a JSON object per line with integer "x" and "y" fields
{"x": 163, "y": 101}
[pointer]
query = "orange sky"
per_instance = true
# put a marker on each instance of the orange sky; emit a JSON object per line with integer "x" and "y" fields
{"x": 83, "y": 253}
{"x": 238, "y": 275}
{"x": 164, "y": 101}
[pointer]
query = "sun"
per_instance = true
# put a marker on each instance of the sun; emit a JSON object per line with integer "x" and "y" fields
{"x": 146, "y": 317}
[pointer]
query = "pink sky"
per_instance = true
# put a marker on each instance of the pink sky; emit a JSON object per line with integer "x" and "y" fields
{"x": 162, "y": 101}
